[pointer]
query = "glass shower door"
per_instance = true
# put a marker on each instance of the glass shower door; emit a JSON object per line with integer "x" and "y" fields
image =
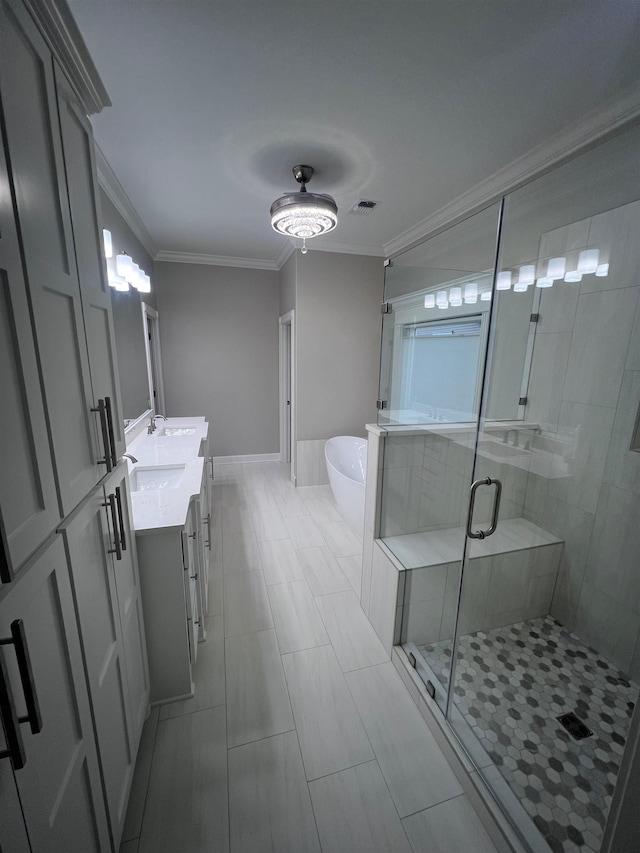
{"x": 434, "y": 346}
{"x": 546, "y": 658}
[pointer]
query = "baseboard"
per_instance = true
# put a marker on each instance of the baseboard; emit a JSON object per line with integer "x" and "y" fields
{"x": 247, "y": 457}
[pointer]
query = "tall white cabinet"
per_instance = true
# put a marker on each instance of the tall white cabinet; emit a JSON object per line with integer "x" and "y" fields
{"x": 74, "y": 686}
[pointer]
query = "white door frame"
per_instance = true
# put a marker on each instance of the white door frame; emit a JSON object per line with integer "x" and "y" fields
{"x": 154, "y": 358}
{"x": 287, "y": 361}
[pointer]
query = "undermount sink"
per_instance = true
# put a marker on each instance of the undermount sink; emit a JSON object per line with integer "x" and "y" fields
{"x": 177, "y": 430}
{"x": 156, "y": 477}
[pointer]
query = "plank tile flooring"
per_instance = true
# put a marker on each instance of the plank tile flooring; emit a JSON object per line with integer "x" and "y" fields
{"x": 301, "y": 735}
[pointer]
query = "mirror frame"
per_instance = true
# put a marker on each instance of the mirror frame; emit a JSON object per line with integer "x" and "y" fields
{"x": 150, "y": 319}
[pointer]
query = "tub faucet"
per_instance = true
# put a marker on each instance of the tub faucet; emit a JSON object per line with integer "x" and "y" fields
{"x": 130, "y": 456}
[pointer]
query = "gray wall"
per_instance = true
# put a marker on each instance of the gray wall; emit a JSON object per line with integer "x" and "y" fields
{"x": 219, "y": 338}
{"x": 338, "y": 325}
{"x": 127, "y": 315}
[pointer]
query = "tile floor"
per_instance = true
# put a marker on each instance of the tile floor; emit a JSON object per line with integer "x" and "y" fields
{"x": 511, "y": 685}
{"x": 301, "y": 735}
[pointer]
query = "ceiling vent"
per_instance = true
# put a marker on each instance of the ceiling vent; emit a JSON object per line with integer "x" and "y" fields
{"x": 363, "y": 207}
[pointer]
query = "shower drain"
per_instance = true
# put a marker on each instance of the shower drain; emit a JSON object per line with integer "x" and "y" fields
{"x": 574, "y": 725}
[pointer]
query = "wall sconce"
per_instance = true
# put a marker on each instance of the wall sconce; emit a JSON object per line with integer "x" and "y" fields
{"x": 122, "y": 271}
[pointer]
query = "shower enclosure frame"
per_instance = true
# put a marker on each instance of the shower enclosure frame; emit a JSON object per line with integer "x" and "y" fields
{"x": 629, "y": 767}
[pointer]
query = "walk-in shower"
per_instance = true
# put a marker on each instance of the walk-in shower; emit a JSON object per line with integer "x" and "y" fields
{"x": 510, "y": 484}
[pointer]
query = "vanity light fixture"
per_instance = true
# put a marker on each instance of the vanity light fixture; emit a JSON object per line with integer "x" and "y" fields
{"x": 573, "y": 275}
{"x": 118, "y": 282}
{"x": 303, "y": 214}
{"x": 503, "y": 281}
{"x": 455, "y": 297}
{"x": 430, "y": 300}
{"x": 485, "y": 296}
{"x": 526, "y": 276}
{"x": 145, "y": 285}
{"x": 588, "y": 261}
{"x": 545, "y": 281}
{"x": 556, "y": 268}
{"x": 124, "y": 266}
{"x": 108, "y": 245}
{"x": 471, "y": 293}
{"x": 442, "y": 299}
{"x": 602, "y": 270}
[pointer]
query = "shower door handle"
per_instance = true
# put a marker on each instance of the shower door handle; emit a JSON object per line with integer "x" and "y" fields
{"x": 484, "y": 481}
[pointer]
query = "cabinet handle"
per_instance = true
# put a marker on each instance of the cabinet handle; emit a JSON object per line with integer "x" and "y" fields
{"x": 123, "y": 537}
{"x": 111, "y": 503}
{"x": 112, "y": 436}
{"x": 192, "y": 535}
{"x": 102, "y": 412}
{"x": 19, "y": 640}
{"x": 10, "y": 724}
{"x": 211, "y": 462}
{"x": 6, "y": 575}
{"x": 11, "y": 721}
{"x": 208, "y": 520}
{"x": 194, "y": 577}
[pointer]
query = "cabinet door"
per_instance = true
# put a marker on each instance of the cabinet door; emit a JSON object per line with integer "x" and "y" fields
{"x": 82, "y": 185}
{"x": 59, "y": 786}
{"x": 204, "y": 551}
{"x": 190, "y": 566}
{"x": 29, "y": 508}
{"x": 89, "y": 535}
{"x": 37, "y": 171}
{"x": 13, "y": 832}
{"x": 130, "y": 604}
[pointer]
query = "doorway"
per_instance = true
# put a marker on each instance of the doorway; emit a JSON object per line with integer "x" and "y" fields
{"x": 286, "y": 329}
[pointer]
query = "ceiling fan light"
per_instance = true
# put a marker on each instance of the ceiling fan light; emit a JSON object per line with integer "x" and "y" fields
{"x": 303, "y": 214}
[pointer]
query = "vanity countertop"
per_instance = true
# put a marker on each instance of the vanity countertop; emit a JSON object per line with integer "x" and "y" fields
{"x": 168, "y": 507}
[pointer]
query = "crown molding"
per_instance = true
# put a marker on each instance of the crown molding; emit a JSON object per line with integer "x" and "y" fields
{"x": 169, "y": 257}
{"x": 347, "y": 249}
{"x": 59, "y": 29}
{"x": 592, "y": 128}
{"x": 288, "y": 248}
{"x": 120, "y": 200}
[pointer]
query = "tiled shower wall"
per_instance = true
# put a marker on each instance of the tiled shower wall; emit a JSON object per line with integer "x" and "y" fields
{"x": 427, "y": 476}
{"x": 582, "y": 482}
{"x": 584, "y": 391}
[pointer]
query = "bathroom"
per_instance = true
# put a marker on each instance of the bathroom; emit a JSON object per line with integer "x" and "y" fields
{"x": 504, "y": 362}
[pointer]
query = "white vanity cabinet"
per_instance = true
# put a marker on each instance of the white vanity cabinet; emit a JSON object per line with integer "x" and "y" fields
{"x": 29, "y": 512}
{"x": 203, "y": 512}
{"x": 168, "y": 560}
{"x": 52, "y": 177}
{"x": 65, "y": 789}
{"x": 54, "y": 760}
{"x": 106, "y": 594}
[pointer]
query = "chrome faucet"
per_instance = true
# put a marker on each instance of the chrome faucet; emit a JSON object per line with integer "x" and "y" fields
{"x": 130, "y": 456}
{"x": 152, "y": 423}
{"x": 507, "y": 433}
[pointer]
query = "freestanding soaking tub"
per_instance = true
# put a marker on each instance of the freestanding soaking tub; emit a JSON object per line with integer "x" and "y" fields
{"x": 346, "y": 458}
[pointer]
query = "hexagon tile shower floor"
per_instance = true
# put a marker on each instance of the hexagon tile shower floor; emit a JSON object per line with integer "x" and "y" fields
{"x": 512, "y": 684}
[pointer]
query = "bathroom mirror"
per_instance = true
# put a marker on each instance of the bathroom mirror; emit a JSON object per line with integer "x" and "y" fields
{"x": 128, "y": 320}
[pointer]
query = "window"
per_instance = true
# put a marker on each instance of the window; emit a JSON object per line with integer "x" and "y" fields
{"x": 440, "y": 368}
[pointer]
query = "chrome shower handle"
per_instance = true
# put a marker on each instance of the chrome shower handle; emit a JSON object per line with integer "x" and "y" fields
{"x": 484, "y": 481}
